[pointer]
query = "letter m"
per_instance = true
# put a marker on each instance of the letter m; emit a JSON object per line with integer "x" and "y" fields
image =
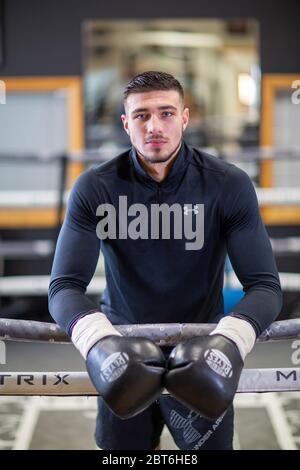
{"x": 280, "y": 375}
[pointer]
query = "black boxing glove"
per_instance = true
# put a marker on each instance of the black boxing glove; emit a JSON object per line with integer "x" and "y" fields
{"x": 204, "y": 372}
{"x": 127, "y": 372}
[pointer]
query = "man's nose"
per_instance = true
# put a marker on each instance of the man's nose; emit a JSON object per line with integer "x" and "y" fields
{"x": 154, "y": 124}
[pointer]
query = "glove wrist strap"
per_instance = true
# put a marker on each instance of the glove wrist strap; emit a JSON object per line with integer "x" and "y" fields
{"x": 89, "y": 330}
{"x": 239, "y": 331}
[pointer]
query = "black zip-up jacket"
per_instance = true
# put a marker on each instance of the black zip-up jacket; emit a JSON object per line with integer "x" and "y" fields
{"x": 159, "y": 280}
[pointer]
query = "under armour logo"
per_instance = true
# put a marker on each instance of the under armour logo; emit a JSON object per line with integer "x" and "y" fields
{"x": 187, "y": 209}
{"x": 190, "y": 434}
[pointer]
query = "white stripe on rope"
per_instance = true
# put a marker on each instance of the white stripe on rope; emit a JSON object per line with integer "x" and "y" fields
{"x": 38, "y": 285}
{"x": 78, "y": 383}
{"x": 278, "y": 196}
{"x": 289, "y": 281}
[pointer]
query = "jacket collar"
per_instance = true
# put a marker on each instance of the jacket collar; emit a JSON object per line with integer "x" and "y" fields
{"x": 176, "y": 171}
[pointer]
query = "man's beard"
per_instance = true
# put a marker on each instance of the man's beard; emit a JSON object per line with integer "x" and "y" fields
{"x": 160, "y": 158}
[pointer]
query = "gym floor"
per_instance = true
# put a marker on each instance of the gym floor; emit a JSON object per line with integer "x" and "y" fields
{"x": 263, "y": 421}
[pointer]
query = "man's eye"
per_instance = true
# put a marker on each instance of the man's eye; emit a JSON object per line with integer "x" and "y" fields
{"x": 140, "y": 116}
{"x": 167, "y": 113}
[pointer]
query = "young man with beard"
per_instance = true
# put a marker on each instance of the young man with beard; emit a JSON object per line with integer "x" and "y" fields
{"x": 156, "y": 274}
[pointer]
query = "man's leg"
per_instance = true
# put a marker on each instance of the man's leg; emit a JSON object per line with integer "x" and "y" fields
{"x": 142, "y": 432}
{"x": 191, "y": 431}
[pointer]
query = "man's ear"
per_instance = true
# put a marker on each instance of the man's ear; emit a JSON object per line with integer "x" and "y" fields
{"x": 125, "y": 123}
{"x": 185, "y": 118}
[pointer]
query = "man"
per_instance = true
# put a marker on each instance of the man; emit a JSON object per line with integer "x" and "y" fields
{"x": 165, "y": 216}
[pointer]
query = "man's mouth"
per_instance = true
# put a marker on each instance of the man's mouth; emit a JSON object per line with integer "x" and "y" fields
{"x": 156, "y": 142}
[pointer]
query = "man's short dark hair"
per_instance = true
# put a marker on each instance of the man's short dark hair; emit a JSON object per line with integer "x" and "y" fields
{"x": 151, "y": 81}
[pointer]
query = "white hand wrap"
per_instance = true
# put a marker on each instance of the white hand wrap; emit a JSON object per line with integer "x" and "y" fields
{"x": 239, "y": 331}
{"x": 90, "y": 329}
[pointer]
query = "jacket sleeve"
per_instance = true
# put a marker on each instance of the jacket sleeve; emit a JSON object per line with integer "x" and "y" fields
{"x": 250, "y": 252}
{"x": 76, "y": 256}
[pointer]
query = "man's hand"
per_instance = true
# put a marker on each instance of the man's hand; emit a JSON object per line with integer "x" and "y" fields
{"x": 127, "y": 372}
{"x": 204, "y": 372}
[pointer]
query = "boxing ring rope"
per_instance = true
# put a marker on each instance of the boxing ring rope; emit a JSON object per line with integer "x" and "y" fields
{"x": 164, "y": 334}
{"x": 45, "y": 198}
{"x": 78, "y": 383}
